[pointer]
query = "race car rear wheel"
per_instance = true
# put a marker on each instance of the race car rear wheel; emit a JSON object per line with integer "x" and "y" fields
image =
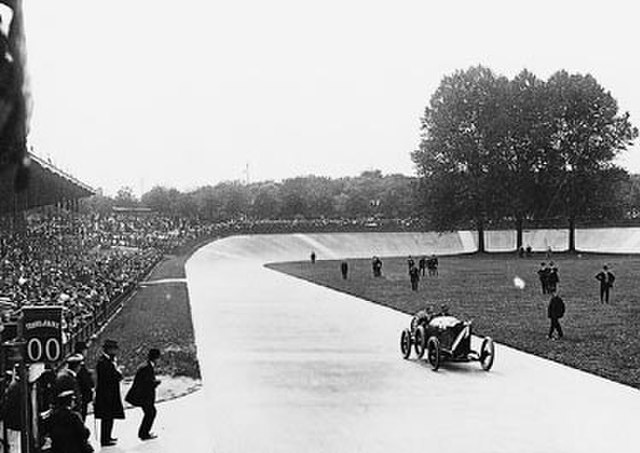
{"x": 420, "y": 340}
{"x": 405, "y": 343}
{"x": 433, "y": 353}
{"x": 487, "y": 353}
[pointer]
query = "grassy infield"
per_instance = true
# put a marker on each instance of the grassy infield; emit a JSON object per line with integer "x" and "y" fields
{"x": 601, "y": 339}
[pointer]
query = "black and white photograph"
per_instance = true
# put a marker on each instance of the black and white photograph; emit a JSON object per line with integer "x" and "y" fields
{"x": 340, "y": 226}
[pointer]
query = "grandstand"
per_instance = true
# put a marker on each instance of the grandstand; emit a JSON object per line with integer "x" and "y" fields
{"x": 48, "y": 186}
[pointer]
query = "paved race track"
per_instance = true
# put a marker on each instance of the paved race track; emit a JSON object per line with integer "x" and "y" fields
{"x": 293, "y": 367}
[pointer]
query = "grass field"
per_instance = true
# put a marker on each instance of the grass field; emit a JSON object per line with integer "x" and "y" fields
{"x": 601, "y": 339}
{"x": 156, "y": 316}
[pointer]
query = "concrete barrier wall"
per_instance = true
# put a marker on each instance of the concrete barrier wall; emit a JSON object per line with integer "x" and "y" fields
{"x": 288, "y": 247}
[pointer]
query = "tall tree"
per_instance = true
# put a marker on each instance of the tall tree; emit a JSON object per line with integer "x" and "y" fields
{"x": 494, "y": 149}
{"x": 588, "y": 134}
{"x": 461, "y": 128}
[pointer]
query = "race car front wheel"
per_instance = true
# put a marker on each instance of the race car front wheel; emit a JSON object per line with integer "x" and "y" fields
{"x": 487, "y": 353}
{"x": 405, "y": 343}
{"x": 433, "y": 353}
{"x": 420, "y": 341}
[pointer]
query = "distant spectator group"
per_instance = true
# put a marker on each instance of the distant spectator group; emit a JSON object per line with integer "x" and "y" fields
{"x": 549, "y": 277}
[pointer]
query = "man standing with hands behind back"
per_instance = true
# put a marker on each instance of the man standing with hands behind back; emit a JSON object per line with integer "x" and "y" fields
{"x": 606, "y": 280}
{"x": 143, "y": 393}
{"x": 108, "y": 404}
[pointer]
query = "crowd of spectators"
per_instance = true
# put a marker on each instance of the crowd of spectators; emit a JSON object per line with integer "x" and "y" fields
{"x": 84, "y": 261}
{"x": 332, "y": 225}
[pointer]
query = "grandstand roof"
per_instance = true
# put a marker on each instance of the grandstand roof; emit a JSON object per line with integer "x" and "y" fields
{"x": 48, "y": 185}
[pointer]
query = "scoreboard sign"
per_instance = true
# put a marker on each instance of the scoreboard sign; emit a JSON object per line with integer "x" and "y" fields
{"x": 42, "y": 331}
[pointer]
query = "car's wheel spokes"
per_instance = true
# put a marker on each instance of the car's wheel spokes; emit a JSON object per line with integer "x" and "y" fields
{"x": 487, "y": 353}
{"x": 405, "y": 343}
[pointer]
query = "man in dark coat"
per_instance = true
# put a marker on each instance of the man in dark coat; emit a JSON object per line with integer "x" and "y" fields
{"x": 143, "y": 393}
{"x": 414, "y": 276}
{"x": 543, "y": 274}
{"x": 68, "y": 433}
{"x": 410, "y": 263}
{"x": 85, "y": 380}
{"x": 108, "y": 403}
{"x": 376, "y": 265}
{"x": 344, "y": 269}
{"x": 422, "y": 265}
{"x": 553, "y": 278}
{"x": 313, "y": 257}
{"x": 432, "y": 265}
{"x": 606, "y": 280}
{"x": 555, "y": 311}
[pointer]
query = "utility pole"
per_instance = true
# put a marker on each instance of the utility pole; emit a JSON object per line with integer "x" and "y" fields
{"x": 246, "y": 174}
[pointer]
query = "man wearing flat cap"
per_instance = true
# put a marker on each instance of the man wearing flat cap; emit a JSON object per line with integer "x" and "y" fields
{"x": 67, "y": 380}
{"x": 68, "y": 433}
{"x": 108, "y": 404}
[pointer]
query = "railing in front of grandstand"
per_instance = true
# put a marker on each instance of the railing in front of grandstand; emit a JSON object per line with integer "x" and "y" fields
{"x": 91, "y": 325}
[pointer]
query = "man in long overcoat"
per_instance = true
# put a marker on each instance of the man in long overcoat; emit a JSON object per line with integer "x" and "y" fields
{"x": 555, "y": 311}
{"x": 108, "y": 404}
{"x": 143, "y": 393}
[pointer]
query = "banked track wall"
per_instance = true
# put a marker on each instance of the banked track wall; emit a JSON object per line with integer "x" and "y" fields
{"x": 290, "y": 366}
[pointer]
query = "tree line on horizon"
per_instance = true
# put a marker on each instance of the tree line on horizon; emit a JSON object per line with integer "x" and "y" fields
{"x": 493, "y": 151}
{"x": 370, "y": 194}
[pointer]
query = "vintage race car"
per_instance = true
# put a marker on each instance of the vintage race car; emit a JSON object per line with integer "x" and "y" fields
{"x": 444, "y": 338}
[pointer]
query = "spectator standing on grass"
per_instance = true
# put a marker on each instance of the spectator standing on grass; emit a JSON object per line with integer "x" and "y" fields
{"x": 376, "y": 266}
{"x": 344, "y": 269}
{"x": 85, "y": 380}
{"x": 414, "y": 276}
{"x": 410, "y": 263}
{"x": 143, "y": 394}
{"x": 529, "y": 250}
{"x": 543, "y": 274}
{"x": 108, "y": 404}
{"x": 553, "y": 278}
{"x": 313, "y": 257}
{"x": 606, "y": 279}
{"x": 432, "y": 265}
{"x": 555, "y": 311}
{"x": 422, "y": 264}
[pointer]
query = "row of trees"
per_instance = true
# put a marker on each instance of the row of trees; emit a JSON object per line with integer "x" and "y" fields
{"x": 495, "y": 149}
{"x": 370, "y": 194}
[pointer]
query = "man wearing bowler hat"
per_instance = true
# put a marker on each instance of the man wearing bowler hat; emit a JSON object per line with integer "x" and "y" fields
{"x": 143, "y": 393}
{"x": 108, "y": 403}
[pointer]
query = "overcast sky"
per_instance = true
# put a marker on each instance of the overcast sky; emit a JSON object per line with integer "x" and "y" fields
{"x": 186, "y": 93}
